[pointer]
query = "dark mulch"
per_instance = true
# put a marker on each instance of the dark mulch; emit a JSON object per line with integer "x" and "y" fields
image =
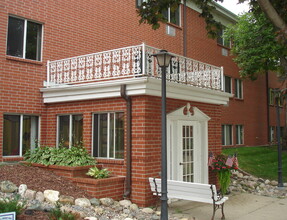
{"x": 39, "y": 180}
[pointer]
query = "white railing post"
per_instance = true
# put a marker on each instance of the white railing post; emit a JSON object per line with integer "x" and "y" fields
{"x": 143, "y": 59}
{"x": 222, "y": 79}
{"x": 48, "y": 73}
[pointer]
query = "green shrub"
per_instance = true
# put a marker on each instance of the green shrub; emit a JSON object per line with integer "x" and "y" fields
{"x": 74, "y": 156}
{"x": 98, "y": 173}
{"x": 12, "y": 205}
{"x": 58, "y": 214}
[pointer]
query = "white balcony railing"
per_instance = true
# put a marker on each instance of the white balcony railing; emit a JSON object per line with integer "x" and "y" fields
{"x": 131, "y": 62}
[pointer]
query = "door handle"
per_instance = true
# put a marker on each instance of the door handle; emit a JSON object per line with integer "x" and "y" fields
{"x": 181, "y": 163}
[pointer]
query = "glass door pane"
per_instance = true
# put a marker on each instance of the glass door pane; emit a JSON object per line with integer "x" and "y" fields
{"x": 187, "y": 153}
{"x": 11, "y": 135}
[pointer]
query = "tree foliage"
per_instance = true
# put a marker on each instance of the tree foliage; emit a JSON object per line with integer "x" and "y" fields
{"x": 275, "y": 11}
{"x": 254, "y": 45}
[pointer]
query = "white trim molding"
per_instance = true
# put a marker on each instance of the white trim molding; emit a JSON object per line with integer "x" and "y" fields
{"x": 134, "y": 86}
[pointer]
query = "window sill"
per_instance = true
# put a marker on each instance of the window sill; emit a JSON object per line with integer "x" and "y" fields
{"x": 40, "y": 63}
{"x": 238, "y": 99}
{"x": 110, "y": 161}
{"x": 220, "y": 45}
{"x": 174, "y": 25}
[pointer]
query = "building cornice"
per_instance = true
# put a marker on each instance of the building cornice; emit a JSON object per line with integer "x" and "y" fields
{"x": 134, "y": 87}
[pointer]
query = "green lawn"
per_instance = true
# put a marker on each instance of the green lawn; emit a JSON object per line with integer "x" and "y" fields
{"x": 260, "y": 161}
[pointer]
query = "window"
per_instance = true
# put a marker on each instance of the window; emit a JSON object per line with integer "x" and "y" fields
{"x": 221, "y": 40}
{"x": 108, "y": 139}
{"x": 227, "y": 84}
{"x": 239, "y": 134}
{"x": 226, "y": 134}
{"x": 238, "y": 89}
{"x": 170, "y": 15}
{"x": 271, "y": 97}
{"x": 20, "y": 134}
{"x": 24, "y": 39}
{"x": 70, "y": 130}
{"x": 271, "y": 134}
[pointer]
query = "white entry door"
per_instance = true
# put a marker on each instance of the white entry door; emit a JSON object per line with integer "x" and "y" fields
{"x": 187, "y": 146}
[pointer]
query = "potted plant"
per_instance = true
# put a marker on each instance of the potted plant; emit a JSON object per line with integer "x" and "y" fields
{"x": 223, "y": 165}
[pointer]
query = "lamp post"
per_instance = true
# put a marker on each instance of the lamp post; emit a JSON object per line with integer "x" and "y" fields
{"x": 278, "y": 94}
{"x": 163, "y": 60}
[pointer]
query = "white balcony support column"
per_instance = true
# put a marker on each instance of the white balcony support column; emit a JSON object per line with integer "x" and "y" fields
{"x": 48, "y": 73}
{"x": 222, "y": 79}
{"x": 143, "y": 59}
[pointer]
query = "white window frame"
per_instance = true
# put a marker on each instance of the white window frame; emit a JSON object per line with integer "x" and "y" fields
{"x": 224, "y": 43}
{"x": 70, "y": 128}
{"x": 25, "y": 37}
{"x": 224, "y": 85}
{"x": 272, "y": 133}
{"x": 139, "y": 2}
{"x": 239, "y": 129}
{"x": 108, "y": 136}
{"x": 21, "y": 133}
{"x": 224, "y": 137}
{"x": 238, "y": 88}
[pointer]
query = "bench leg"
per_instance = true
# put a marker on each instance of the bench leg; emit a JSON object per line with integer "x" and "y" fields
{"x": 214, "y": 210}
{"x": 222, "y": 211}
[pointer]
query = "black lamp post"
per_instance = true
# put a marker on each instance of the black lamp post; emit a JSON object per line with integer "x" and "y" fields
{"x": 278, "y": 94}
{"x": 163, "y": 60}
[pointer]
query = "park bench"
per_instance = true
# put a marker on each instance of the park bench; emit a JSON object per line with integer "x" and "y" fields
{"x": 197, "y": 192}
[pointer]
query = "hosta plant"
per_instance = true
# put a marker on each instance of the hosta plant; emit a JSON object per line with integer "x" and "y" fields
{"x": 74, "y": 156}
{"x": 97, "y": 173}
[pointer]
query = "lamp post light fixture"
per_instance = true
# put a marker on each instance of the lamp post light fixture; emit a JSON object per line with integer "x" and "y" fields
{"x": 278, "y": 94}
{"x": 163, "y": 60}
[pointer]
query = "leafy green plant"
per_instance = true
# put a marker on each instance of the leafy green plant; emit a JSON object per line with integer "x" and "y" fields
{"x": 74, "y": 156}
{"x": 220, "y": 165}
{"x": 12, "y": 205}
{"x": 98, "y": 173}
{"x": 58, "y": 214}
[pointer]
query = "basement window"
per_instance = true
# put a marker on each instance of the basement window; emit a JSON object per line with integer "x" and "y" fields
{"x": 70, "y": 130}
{"x": 20, "y": 134}
{"x": 108, "y": 141}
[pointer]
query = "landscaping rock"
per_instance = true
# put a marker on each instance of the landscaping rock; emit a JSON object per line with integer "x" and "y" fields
{"x": 107, "y": 201}
{"x": 30, "y": 194}
{"x": 51, "y": 196}
{"x": 40, "y": 196}
{"x": 99, "y": 210}
{"x": 82, "y": 202}
{"x": 147, "y": 210}
{"x": 95, "y": 202}
{"x": 134, "y": 208}
{"x": 274, "y": 183}
{"x": 70, "y": 200}
{"x": 8, "y": 187}
{"x": 125, "y": 203}
{"x": 22, "y": 189}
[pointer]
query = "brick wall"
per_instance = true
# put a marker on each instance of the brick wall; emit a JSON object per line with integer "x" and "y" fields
{"x": 146, "y": 135}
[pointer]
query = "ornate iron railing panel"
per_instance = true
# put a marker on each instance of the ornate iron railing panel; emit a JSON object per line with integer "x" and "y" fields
{"x": 131, "y": 62}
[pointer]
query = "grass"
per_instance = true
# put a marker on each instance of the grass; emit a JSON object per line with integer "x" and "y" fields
{"x": 260, "y": 161}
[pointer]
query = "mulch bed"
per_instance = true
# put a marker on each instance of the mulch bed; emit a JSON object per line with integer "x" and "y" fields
{"x": 39, "y": 180}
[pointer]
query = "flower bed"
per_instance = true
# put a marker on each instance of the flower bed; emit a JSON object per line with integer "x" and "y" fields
{"x": 112, "y": 187}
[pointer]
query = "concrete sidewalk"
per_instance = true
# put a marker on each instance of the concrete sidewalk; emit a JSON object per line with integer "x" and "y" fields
{"x": 241, "y": 206}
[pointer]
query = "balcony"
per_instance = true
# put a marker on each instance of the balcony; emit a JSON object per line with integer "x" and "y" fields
{"x": 101, "y": 75}
{"x": 131, "y": 62}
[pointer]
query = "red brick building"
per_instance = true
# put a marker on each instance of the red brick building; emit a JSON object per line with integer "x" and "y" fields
{"x": 64, "y": 81}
